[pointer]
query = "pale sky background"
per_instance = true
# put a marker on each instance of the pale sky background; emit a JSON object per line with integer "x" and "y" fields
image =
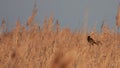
{"x": 69, "y": 12}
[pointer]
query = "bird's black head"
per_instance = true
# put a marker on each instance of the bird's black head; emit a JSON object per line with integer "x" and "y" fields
{"x": 88, "y": 36}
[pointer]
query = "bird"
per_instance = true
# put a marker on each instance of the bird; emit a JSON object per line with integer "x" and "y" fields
{"x": 91, "y": 40}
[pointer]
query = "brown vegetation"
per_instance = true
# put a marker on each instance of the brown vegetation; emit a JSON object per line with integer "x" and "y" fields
{"x": 52, "y": 47}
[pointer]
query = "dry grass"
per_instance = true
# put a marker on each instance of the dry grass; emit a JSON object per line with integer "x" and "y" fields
{"x": 52, "y": 47}
{"x": 46, "y": 47}
{"x": 118, "y": 17}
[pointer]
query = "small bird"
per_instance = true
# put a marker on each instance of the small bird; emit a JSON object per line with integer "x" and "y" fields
{"x": 91, "y": 40}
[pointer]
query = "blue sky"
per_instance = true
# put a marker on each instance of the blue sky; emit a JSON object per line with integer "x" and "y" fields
{"x": 70, "y": 13}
